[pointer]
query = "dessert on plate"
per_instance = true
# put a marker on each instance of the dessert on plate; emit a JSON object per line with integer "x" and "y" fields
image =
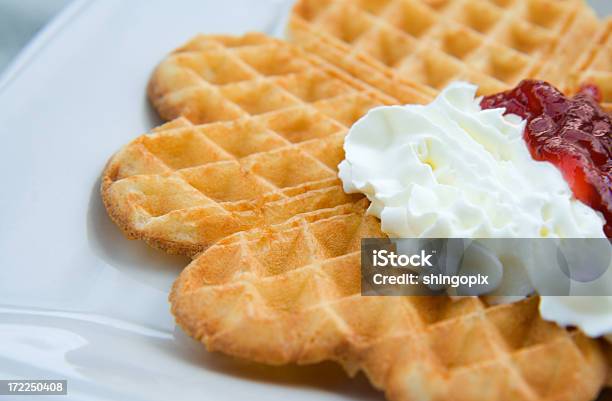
{"x": 244, "y": 178}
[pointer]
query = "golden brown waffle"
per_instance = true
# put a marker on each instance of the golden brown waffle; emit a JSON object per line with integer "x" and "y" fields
{"x": 492, "y": 43}
{"x": 596, "y": 65}
{"x": 292, "y": 295}
{"x": 184, "y": 186}
{"x": 287, "y": 289}
{"x": 217, "y": 78}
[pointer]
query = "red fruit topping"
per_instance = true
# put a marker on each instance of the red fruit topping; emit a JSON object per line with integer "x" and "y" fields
{"x": 591, "y": 90}
{"x": 574, "y": 134}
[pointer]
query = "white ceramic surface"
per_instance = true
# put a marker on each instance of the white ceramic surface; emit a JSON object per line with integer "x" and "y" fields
{"x": 78, "y": 301}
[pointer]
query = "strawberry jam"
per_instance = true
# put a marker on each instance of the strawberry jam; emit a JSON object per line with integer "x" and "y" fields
{"x": 574, "y": 134}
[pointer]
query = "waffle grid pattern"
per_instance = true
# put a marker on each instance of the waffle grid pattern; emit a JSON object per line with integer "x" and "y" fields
{"x": 261, "y": 130}
{"x": 219, "y": 78}
{"x": 596, "y": 68}
{"x": 493, "y": 43}
{"x": 185, "y": 186}
{"x": 297, "y": 292}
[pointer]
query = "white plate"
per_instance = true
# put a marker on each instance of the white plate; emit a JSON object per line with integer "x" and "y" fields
{"x": 78, "y": 301}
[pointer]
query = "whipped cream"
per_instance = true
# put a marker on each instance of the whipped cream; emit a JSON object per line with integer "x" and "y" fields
{"x": 452, "y": 170}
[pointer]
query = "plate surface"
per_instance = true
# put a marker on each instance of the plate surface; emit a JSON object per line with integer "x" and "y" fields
{"x": 78, "y": 301}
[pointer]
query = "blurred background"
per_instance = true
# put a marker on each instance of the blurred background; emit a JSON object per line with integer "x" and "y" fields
{"x": 20, "y": 20}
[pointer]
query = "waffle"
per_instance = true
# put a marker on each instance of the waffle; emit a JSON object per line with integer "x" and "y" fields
{"x": 292, "y": 295}
{"x": 492, "y": 43}
{"x": 220, "y": 78}
{"x": 277, "y": 283}
{"x": 258, "y": 141}
{"x": 596, "y": 65}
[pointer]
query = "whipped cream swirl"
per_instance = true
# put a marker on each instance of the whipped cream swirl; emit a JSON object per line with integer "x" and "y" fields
{"x": 452, "y": 170}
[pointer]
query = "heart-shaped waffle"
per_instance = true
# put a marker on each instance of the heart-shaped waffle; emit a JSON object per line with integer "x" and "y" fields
{"x": 258, "y": 142}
